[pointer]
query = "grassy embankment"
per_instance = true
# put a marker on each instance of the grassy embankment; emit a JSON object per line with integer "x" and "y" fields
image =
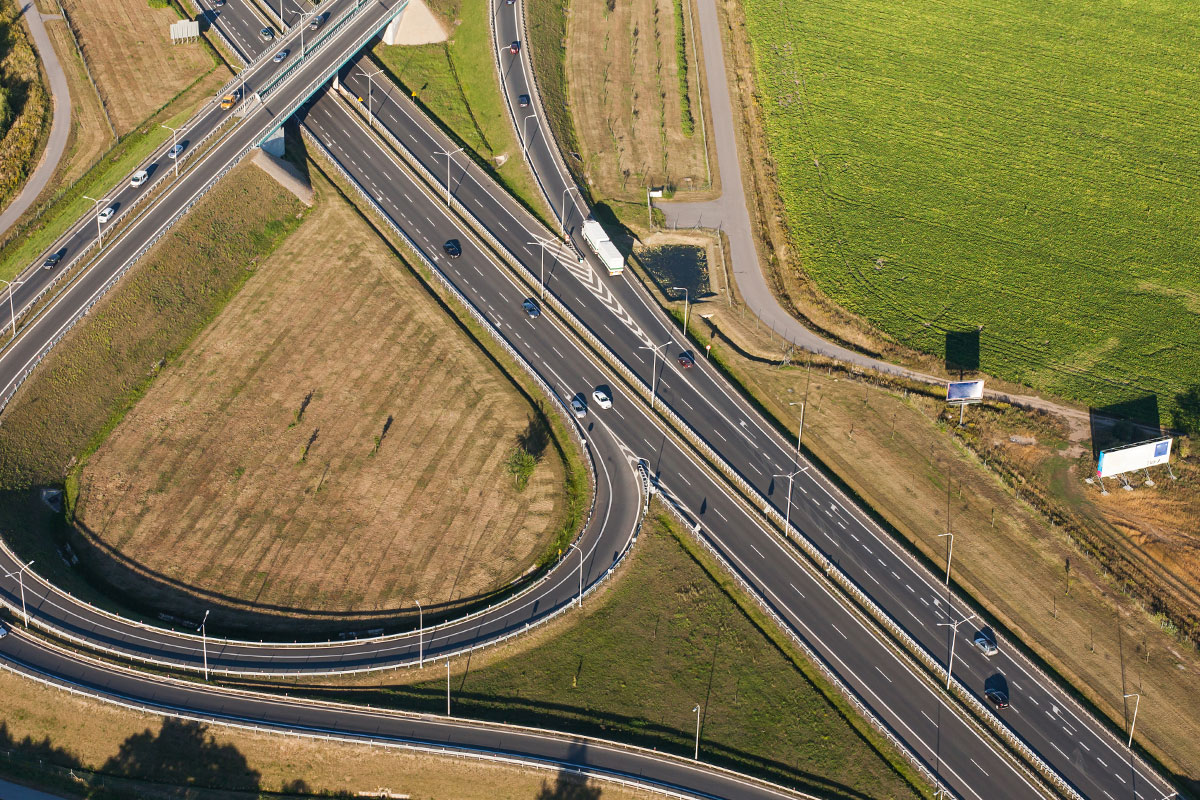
{"x": 987, "y": 173}
{"x": 455, "y": 83}
{"x": 83, "y": 389}
{"x": 173, "y": 81}
{"x": 633, "y": 670}
{"x": 332, "y": 386}
{"x": 1010, "y": 470}
{"x": 24, "y": 103}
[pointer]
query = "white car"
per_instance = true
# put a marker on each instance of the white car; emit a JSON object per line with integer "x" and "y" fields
{"x": 602, "y": 397}
{"x": 106, "y": 215}
{"x": 139, "y": 177}
{"x": 175, "y": 151}
{"x": 579, "y": 406}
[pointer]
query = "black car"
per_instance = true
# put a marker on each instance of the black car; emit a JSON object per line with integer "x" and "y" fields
{"x": 999, "y": 698}
{"x": 52, "y": 261}
{"x": 453, "y": 248}
{"x": 316, "y": 21}
{"x": 531, "y": 307}
{"x": 523, "y": 101}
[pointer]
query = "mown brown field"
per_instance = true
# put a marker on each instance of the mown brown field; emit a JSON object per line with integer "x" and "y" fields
{"x": 128, "y": 48}
{"x": 624, "y": 88}
{"x": 331, "y": 446}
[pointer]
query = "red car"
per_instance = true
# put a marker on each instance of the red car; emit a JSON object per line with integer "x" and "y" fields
{"x": 686, "y": 360}
{"x": 514, "y": 48}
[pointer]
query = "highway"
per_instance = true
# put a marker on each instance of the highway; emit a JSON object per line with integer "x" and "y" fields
{"x": 623, "y": 316}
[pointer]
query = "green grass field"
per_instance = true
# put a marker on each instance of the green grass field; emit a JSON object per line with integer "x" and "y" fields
{"x": 1022, "y": 166}
{"x": 632, "y": 671}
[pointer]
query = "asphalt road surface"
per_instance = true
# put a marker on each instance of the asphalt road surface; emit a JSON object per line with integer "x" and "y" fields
{"x": 620, "y": 313}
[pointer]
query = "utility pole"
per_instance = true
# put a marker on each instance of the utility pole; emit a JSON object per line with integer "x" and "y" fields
{"x": 449, "y": 156}
{"x": 12, "y": 287}
{"x": 579, "y": 601}
{"x": 1137, "y": 699}
{"x": 95, "y": 202}
{"x": 204, "y": 641}
{"x": 696, "y": 754}
{"x": 174, "y": 144}
{"x": 420, "y": 634}
{"x": 953, "y": 636}
{"x": 787, "y": 517}
{"x": 685, "y": 306}
{"x": 949, "y": 554}
{"x": 654, "y": 370}
{"x": 370, "y": 86}
{"x": 20, "y": 573}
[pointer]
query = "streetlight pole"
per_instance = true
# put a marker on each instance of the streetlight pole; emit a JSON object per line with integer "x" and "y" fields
{"x": 447, "y": 687}
{"x": 20, "y": 573}
{"x": 12, "y": 286}
{"x": 949, "y": 553}
{"x": 420, "y": 634}
{"x": 204, "y": 641}
{"x": 303, "y": 16}
{"x": 370, "y": 85}
{"x": 449, "y": 157}
{"x": 953, "y": 636}
{"x": 685, "y": 306}
{"x": 696, "y": 754}
{"x": 1137, "y": 699}
{"x": 579, "y": 601}
{"x": 99, "y": 233}
{"x": 525, "y": 135}
{"x": 175, "y": 141}
{"x": 787, "y": 517}
{"x": 562, "y": 219}
{"x": 654, "y": 370}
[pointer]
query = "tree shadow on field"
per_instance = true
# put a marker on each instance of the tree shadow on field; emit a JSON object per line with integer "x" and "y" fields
{"x": 184, "y": 754}
{"x": 1186, "y": 415}
{"x": 30, "y": 749}
{"x": 536, "y": 436}
{"x": 1126, "y": 422}
{"x": 569, "y": 785}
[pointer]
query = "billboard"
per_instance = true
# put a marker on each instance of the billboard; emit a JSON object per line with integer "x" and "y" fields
{"x": 964, "y": 391}
{"x": 1133, "y": 456}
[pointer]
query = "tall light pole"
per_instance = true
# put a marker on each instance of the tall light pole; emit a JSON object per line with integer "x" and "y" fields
{"x": 953, "y": 636}
{"x": 175, "y": 142}
{"x": 449, "y": 157}
{"x": 20, "y": 573}
{"x": 303, "y": 16}
{"x": 525, "y": 135}
{"x": 685, "y": 306}
{"x": 370, "y": 85}
{"x": 545, "y": 244}
{"x": 447, "y": 687}
{"x": 12, "y": 287}
{"x": 1137, "y": 699}
{"x": 204, "y": 642}
{"x": 654, "y": 370}
{"x": 949, "y": 553}
{"x": 696, "y": 754}
{"x": 562, "y": 218}
{"x": 787, "y": 517}
{"x": 420, "y": 634}
{"x": 99, "y": 234}
{"x": 579, "y": 601}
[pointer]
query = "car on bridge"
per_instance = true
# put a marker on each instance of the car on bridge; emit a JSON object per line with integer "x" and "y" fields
{"x": 281, "y": 55}
{"x": 266, "y": 34}
{"x": 317, "y": 21}
{"x": 531, "y": 307}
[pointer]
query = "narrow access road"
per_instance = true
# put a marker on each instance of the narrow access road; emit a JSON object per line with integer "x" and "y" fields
{"x": 60, "y": 127}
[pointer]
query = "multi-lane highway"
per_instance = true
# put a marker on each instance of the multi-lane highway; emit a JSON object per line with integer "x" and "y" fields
{"x": 619, "y": 312}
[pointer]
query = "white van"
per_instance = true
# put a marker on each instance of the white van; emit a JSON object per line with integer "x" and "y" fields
{"x": 139, "y": 178}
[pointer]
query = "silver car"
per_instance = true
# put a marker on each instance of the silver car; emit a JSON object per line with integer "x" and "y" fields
{"x": 985, "y": 645}
{"x": 579, "y": 406}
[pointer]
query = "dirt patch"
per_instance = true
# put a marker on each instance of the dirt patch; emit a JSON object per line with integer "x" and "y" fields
{"x": 329, "y": 448}
{"x": 125, "y": 38}
{"x": 624, "y": 85}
